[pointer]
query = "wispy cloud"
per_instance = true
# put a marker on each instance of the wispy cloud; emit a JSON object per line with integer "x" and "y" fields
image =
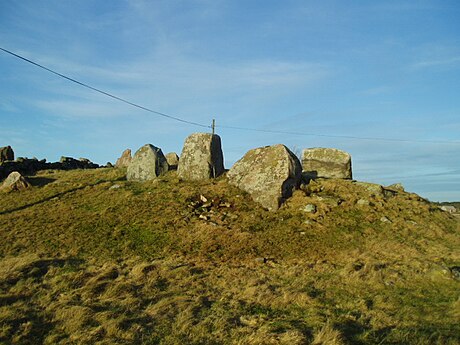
{"x": 451, "y": 61}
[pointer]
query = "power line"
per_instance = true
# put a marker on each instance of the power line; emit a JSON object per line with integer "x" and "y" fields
{"x": 222, "y": 126}
{"x": 339, "y": 136}
{"x": 103, "y": 92}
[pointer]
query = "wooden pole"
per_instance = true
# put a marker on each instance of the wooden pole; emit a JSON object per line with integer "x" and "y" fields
{"x": 213, "y": 126}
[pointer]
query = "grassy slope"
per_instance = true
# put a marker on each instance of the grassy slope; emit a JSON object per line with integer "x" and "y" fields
{"x": 84, "y": 263}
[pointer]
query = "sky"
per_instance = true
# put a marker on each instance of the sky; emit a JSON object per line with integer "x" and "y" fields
{"x": 332, "y": 73}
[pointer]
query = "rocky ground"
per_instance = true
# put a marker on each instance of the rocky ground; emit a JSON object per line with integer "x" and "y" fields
{"x": 90, "y": 258}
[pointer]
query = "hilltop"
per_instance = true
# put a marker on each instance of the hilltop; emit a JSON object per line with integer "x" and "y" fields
{"x": 88, "y": 257}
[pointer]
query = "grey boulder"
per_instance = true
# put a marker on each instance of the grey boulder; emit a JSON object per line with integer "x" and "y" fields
{"x": 326, "y": 163}
{"x": 201, "y": 157}
{"x": 269, "y": 174}
{"x": 173, "y": 160}
{"x": 147, "y": 164}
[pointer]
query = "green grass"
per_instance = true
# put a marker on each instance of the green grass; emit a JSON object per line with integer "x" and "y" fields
{"x": 83, "y": 262}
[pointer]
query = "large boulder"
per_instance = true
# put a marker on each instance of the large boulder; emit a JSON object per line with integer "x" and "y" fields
{"x": 14, "y": 182}
{"x": 173, "y": 160}
{"x": 269, "y": 174}
{"x": 201, "y": 157}
{"x": 6, "y": 154}
{"x": 147, "y": 164}
{"x": 124, "y": 160}
{"x": 326, "y": 163}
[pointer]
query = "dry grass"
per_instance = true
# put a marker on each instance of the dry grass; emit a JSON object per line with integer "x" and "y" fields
{"x": 83, "y": 262}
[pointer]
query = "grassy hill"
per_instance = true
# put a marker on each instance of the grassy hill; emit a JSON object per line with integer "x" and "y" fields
{"x": 89, "y": 258}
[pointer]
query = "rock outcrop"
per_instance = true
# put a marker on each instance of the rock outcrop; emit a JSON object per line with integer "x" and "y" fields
{"x": 69, "y": 163}
{"x": 269, "y": 174}
{"x": 14, "y": 182}
{"x": 326, "y": 163}
{"x": 201, "y": 157}
{"x": 29, "y": 166}
{"x": 6, "y": 154}
{"x": 147, "y": 164}
{"x": 124, "y": 160}
{"x": 173, "y": 160}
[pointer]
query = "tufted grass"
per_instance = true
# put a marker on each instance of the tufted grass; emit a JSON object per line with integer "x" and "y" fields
{"x": 90, "y": 258}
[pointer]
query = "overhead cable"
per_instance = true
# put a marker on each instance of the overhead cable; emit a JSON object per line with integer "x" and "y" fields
{"x": 222, "y": 126}
{"x": 103, "y": 92}
{"x": 338, "y": 136}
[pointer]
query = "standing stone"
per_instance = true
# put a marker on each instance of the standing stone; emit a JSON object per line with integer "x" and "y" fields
{"x": 269, "y": 174}
{"x": 124, "y": 160}
{"x": 326, "y": 163}
{"x": 14, "y": 182}
{"x": 173, "y": 160}
{"x": 6, "y": 154}
{"x": 147, "y": 164}
{"x": 201, "y": 157}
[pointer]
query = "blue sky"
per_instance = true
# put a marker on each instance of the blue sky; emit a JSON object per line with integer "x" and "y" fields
{"x": 383, "y": 69}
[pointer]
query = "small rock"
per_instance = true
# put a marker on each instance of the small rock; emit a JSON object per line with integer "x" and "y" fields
{"x": 203, "y": 198}
{"x": 363, "y": 202}
{"x": 173, "y": 160}
{"x": 15, "y": 182}
{"x": 384, "y": 219}
{"x": 261, "y": 260}
{"x": 372, "y": 188}
{"x": 310, "y": 208}
{"x": 115, "y": 186}
{"x": 455, "y": 271}
{"x": 202, "y": 216}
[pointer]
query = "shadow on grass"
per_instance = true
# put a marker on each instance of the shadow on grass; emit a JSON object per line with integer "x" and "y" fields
{"x": 40, "y": 181}
{"x": 57, "y": 195}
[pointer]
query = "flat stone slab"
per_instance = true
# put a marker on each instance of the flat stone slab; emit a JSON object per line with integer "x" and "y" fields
{"x": 326, "y": 163}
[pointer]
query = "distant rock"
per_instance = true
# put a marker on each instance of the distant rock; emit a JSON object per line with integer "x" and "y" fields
{"x": 326, "y": 163}
{"x": 6, "y": 154}
{"x": 371, "y": 188}
{"x": 69, "y": 163}
{"x": 201, "y": 157}
{"x": 124, "y": 160}
{"x": 15, "y": 182}
{"x": 173, "y": 160}
{"x": 269, "y": 174}
{"x": 398, "y": 187}
{"x": 147, "y": 164}
{"x": 448, "y": 208}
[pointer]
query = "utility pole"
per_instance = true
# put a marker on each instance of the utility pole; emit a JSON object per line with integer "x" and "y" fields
{"x": 213, "y": 126}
